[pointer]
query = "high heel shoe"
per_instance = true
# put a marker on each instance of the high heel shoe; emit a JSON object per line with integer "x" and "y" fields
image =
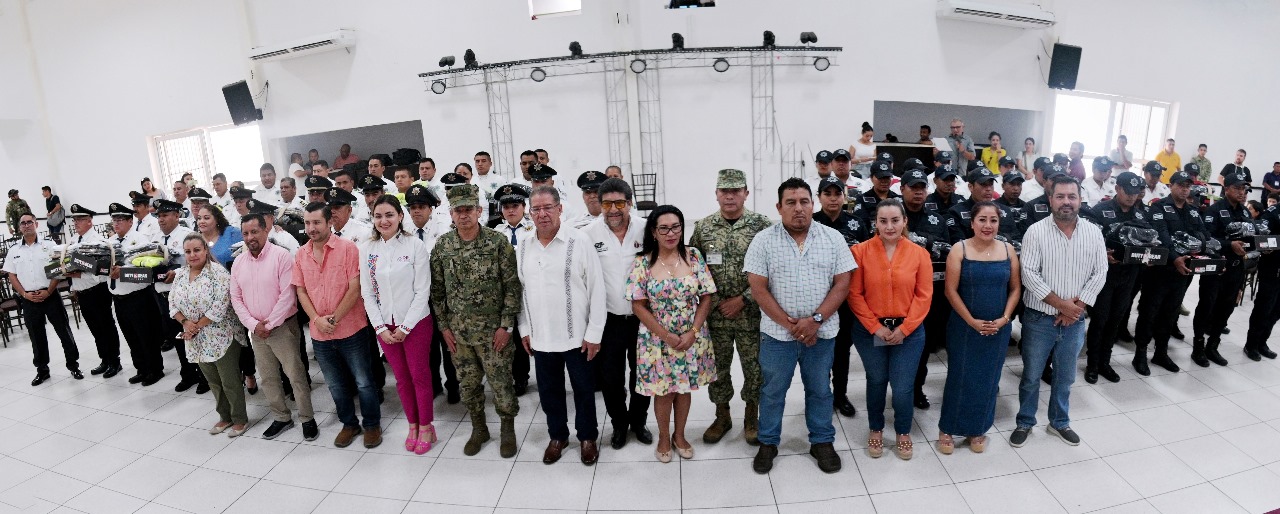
{"x": 875, "y": 444}
{"x": 946, "y": 444}
{"x": 426, "y": 436}
{"x": 411, "y": 442}
{"x": 904, "y": 448}
{"x": 978, "y": 443}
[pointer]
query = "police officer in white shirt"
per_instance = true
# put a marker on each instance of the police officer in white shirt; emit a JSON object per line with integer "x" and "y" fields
{"x": 269, "y": 191}
{"x": 94, "y": 298}
{"x": 135, "y": 303}
{"x": 449, "y": 180}
{"x": 588, "y": 182}
{"x": 377, "y": 166}
{"x": 371, "y": 188}
{"x": 515, "y": 227}
{"x": 317, "y": 187}
{"x": 171, "y": 235}
{"x": 1156, "y": 190}
{"x": 419, "y": 221}
{"x": 617, "y": 237}
{"x": 221, "y": 195}
{"x": 239, "y": 207}
{"x": 1100, "y": 186}
{"x": 289, "y": 198}
{"x": 488, "y": 181}
{"x": 38, "y": 296}
{"x": 146, "y": 223}
{"x": 345, "y": 225}
{"x": 345, "y": 180}
{"x": 198, "y": 198}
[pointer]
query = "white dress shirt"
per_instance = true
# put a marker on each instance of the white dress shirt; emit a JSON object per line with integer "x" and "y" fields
{"x": 489, "y": 182}
{"x": 520, "y": 230}
{"x": 582, "y": 220}
{"x": 1068, "y": 267}
{"x": 432, "y": 231}
{"x": 356, "y": 230}
{"x": 1092, "y": 193}
{"x": 395, "y": 281}
{"x": 271, "y": 195}
{"x": 129, "y": 241}
{"x": 298, "y": 202}
{"x": 148, "y": 225}
{"x": 284, "y": 239}
{"x": 616, "y": 259}
{"x": 564, "y": 294}
{"x": 86, "y": 279}
{"x": 174, "y": 242}
{"x": 27, "y": 262}
{"x": 1159, "y": 193}
{"x": 224, "y": 202}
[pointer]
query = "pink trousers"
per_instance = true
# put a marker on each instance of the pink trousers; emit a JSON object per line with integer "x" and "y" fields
{"x": 411, "y": 363}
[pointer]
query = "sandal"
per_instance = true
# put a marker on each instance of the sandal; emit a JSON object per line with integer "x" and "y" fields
{"x": 875, "y": 444}
{"x": 978, "y": 443}
{"x": 411, "y": 442}
{"x": 946, "y": 444}
{"x": 426, "y": 436}
{"x": 903, "y": 448}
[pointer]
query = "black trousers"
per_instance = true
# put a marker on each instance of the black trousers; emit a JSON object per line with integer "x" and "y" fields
{"x": 1162, "y": 292}
{"x": 519, "y": 360}
{"x": 551, "y": 367}
{"x": 617, "y": 354}
{"x": 935, "y": 332}
{"x": 1109, "y": 311}
{"x": 442, "y": 357}
{"x": 844, "y": 344}
{"x": 1266, "y": 310}
{"x": 190, "y": 372}
{"x": 34, "y": 315}
{"x": 377, "y": 368}
{"x": 95, "y": 305}
{"x": 1217, "y": 300}
{"x": 140, "y": 322}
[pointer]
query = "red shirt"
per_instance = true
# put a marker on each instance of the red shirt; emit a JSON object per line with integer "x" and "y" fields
{"x": 326, "y": 281}
{"x": 339, "y": 162}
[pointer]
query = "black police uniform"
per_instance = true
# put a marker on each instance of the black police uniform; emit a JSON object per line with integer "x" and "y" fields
{"x": 1017, "y": 207}
{"x": 867, "y": 205}
{"x": 927, "y": 223}
{"x": 1163, "y": 287}
{"x": 1107, "y": 312}
{"x": 960, "y": 227}
{"x": 936, "y": 202}
{"x": 1266, "y": 303}
{"x": 1218, "y": 292}
{"x": 855, "y": 230}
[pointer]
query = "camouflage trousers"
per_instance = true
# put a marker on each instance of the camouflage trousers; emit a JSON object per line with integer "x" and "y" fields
{"x": 723, "y": 339}
{"x": 475, "y": 360}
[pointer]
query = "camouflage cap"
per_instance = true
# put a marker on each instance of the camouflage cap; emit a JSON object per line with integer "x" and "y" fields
{"x": 463, "y": 196}
{"x": 731, "y": 179}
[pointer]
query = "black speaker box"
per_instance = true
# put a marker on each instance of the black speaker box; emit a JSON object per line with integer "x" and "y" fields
{"x": 1064, "y": 66}
{"x": 240, "y": 103}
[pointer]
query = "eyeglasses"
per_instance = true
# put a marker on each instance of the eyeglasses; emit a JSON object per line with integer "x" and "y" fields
{"x": 957, "y": 127}
{"x": 665, "y": 230}
{"x": 25, "y": 223}
{"x": 613, "y": 204}
{"x": 537, "y": 210}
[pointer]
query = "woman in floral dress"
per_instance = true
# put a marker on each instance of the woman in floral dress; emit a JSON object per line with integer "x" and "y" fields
{"x": 201, "y": 301}
{"x": 670, "y": 289}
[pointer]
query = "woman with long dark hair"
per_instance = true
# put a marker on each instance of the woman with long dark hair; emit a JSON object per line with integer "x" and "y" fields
{"x": 149, "y": 189}
{"x": 670, "y": 290}
{"x": 863, "y": 151}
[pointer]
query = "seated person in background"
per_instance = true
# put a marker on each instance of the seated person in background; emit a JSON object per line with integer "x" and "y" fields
{"x": 345, "y": 157}
{"x": 926, "y": 135}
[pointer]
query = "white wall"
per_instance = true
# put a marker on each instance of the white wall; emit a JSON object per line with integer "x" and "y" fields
{"x": 25, "y": 158}
{"x": 117, "y": 72}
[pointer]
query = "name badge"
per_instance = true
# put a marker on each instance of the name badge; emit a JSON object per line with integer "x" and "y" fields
{"x": 931, "y": 206}
{"x": 1109, "y": 214}
{"x": 715, "y": 259}
{"x": 1042, "y": 207}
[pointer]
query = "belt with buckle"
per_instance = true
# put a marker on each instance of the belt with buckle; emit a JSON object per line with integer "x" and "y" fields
{"x": 891, "y": 322}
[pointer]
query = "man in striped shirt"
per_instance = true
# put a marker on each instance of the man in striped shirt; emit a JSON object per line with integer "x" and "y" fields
{"x": 1064, "y": 266}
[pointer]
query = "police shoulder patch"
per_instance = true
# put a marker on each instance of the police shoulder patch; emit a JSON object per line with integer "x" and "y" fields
{"x": 951, "y": 222}
{"x": 1208, "y": 219}
{"x": 933, "y": 220}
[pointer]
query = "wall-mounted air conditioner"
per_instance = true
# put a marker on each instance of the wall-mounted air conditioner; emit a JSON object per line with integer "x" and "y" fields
{"x": 342, "y": 38}
{"x": 1025, "y": 16}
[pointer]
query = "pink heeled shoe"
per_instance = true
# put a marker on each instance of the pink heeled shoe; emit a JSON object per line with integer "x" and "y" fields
{"x": 426, "y": 436}
{"x": 411, "y": 442}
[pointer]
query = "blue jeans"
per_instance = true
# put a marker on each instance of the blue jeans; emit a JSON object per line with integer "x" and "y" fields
{"x": 777, "y": 365}
{"x": 1041, "y": 340}
{"x": 344, "y": 361}
{"x": 890, "y": 365}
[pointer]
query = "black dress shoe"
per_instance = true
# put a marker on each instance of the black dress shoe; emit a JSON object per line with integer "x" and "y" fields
{"x": 152, "y": 379}
{"x": 521, "y": 387}
{"x": 202, "y": 387}
{"x": 1252, "y": 354}
{"x": 136, "y": 379}
{"x": 166, "y": 346}
{"x": 454, "y": 397}
{"x": 1165, "y": 362}
{"x": 845, "y": 408}
{"x": 921, "y": 401}
{"x": 1177, "y": 334}
{"x": 111, "y": 371}
{"x": 643, "y": 435}
{"x": 40, "y": 379}
{"x": 184, "y": 384}
{"x": 1091, "y": 374}
{"x": 1108, "y": 373}
{"x": 619, "y": 439}
{"x": 1214, "y": 356}
{"x": 76, "y": 374}
{"x": 1140, "y": 366}
{"x": 102, "y": 368}
{"x": 1266, "y": 352}
{"x": 1125, "y": 335}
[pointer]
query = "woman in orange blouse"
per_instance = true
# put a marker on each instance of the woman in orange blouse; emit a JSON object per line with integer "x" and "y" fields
{"x": 890, "y": 293}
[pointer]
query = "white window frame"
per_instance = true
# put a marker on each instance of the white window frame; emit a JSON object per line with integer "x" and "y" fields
{"x": 203, "y": 175}
{"x": 1115, "y": 101}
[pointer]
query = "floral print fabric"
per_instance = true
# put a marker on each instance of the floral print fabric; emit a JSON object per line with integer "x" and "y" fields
{"x": 674, "y": 302}
{"x": 209, "y": 295}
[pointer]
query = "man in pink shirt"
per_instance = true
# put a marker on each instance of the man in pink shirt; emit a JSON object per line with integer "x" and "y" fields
{"x": 264, "y": 300}
{"x": 345, "y": 157}
{"x": 326, "y": 274}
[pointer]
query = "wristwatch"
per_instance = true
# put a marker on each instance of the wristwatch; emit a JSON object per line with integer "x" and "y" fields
{"x": 817, "y": 316}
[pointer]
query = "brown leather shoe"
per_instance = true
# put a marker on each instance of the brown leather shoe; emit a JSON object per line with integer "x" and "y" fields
{"x": 346, "y": 436}
{"x": 590, "y": 452}
{"x": 554, "y": 449}
{"x": 372, "y": 437}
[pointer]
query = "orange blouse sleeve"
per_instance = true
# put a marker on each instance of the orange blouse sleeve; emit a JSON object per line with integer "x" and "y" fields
{"x": 858, "y": 289}
{"x": 922, "y": 297}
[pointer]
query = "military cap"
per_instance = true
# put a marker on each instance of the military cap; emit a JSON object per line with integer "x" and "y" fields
{"x": 163, "y": 205}
{"x": 369, "y": 183}
{"x": 913, "y": 177}
{"x": 139, "y": 197}
{"x": 199, "y": 194}
{"x": 1012, "y": 177}
{"x": 823, "y": 157}
{"x": 1007, "y": 161}
{"x": 980, "y": 175}
{"x": 840, "y": 154}
{"x": 452, "y": 179}
{"x": 1181, "y": 177}
{"x": 540, "y": 172}
{"x": 256, "y": 207}
{"x": 78, "y": 211}
{"x": 831, "y": 181}
{"x": 465, "y": 195}
{"x": 1232, "y": 178}
{"x": 119, "y": 210}
{"x": 731, "y": 179}
{"x": 945, "y": 171}
{"x": 1130, "y": 182}
{"x": 1102, "y": 163}
{"x": 419, "y": 194}
{"x": 882, "y": 169}
{"x": 316, "y": 182}
{"x": 1153, "y": 167}
{"x": 13, "y": 192}
{"x": 337, "y": 196}
{"x": 240, "y": 193}
{"x": 591, "y": 180}
{"x": 512, "y": 193}
{"x": 943, "y": 157}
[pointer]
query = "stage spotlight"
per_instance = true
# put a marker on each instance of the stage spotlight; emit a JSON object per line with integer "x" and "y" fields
{"x": 768, "y": 39}
{"x": 638, "y": 65}
{"x": 447, "y": 61}
{"x": 437, "y": 86}
{"x": 538, "y": 75}
{"x": 677, "y": 41}
{"x": 721, "y": 65}
{"x": 469, "y": 59}
{"x": 575, "y": 49}
{"x": 808, "y": 37}
{"x": 821, "y": 64}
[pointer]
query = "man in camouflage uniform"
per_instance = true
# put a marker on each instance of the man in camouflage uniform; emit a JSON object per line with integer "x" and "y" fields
{"x": 475, "y": 298}
{"x": 14, "y": 210}
{"x": 723, "y": 239}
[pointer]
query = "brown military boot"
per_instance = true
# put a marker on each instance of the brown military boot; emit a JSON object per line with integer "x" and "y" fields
{"x": 751, "y": 424}
{"x": 720, "y": 426}
{"x": 507, "y": 438}
{"x": 479, "y": 434}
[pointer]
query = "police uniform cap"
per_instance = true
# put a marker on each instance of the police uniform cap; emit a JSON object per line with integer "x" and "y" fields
{"x": 540, "y": 172}
{"x": 913, "y": 164}
{"x": 512, "y": 193}
{"x": 840, "y": 154}
{"x": 138, "y": 198}
{"x": 163, "y": 205}
{"x": 240, "y": 193}
{"x": 1042, "y": 163}
{"x": 118, "y": 210}
{"x": 199, "y": 194}
{"x": 371, "y": 183}
{"x": 419, "y": 194}
{"x": 1007, "y": 161}
{"x": 1152, "y": 167}
{"x": 943, "y": 157}
{"x": 981, "y": 174}
{"x": 882, "y": 169}
{"x": 78, "y": 211}
{"x": 1054, "y": 170}
{"x": 913, "y": 177}
{"x": 1192, "y": 168}
{"x": 885, "y": 156}
{"x": 256, "y": 207}
{"x": 1012, "y": 177}
{"x": 945, "y": 171}
{"x": 1182, "y": 177}
{"x": 337, "y": 196}
{"x": 830, "y": 182}
{"x": 823, "y": 157}
{"x": 452, "y": 179}
{"x": 316, "y": 182}
{"x": 1102, "y": 163}
{"x": 591, "y": 180}
{"x": 1130, "y": 182}
{"x": 1231, "y": 179}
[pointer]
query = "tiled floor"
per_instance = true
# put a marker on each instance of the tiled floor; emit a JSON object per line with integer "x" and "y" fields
{"x": 1206, "y": 440}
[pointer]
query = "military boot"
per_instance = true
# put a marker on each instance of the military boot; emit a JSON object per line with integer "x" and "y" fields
{"x": 1140, "y": 360}
{"x": 751, "y": 424}
{"x": 1197, "y": 352}
{"x": 720, "y": 426}
{"x": 479, "y": 434}
{"x": 507, "y": 438}
{"x": 1211, "y": 351}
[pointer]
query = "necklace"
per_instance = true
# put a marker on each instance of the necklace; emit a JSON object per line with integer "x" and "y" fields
{"x": 667, "y": 268}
